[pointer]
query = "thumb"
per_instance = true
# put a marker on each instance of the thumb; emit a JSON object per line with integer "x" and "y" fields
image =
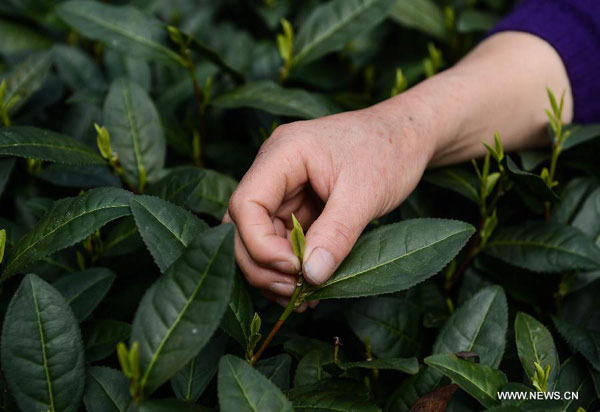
{"x": 331, "y": 237}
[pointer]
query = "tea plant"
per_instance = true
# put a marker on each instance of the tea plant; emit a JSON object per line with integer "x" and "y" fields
{"x": 124, "y": 126}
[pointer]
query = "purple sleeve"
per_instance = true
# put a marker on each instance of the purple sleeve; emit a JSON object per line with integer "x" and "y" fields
{"x": 572, "y": 27}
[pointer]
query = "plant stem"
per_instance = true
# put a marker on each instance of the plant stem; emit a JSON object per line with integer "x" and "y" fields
{"x": 199, "y": 97}
{"x": 286, "y": 313}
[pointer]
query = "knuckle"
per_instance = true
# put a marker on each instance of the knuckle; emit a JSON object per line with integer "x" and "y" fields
{"x": 235, "y": 202}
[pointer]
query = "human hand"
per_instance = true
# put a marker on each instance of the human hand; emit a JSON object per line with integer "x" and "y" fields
{"x": 336, "y": 174}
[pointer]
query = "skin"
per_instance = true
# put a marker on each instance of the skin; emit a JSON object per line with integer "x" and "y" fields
{"x": 339, "y": 172}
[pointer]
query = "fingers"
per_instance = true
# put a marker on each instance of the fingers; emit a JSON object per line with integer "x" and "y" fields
{"x": 274, "y": 175}
{"x": 331, "y": 237}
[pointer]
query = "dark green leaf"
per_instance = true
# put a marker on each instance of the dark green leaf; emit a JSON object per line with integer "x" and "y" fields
{"x": 535, "y": 344}
{"x": 300, "y": 346}
{"x": 124, "y": 28}
{"x": 396, "y": 257}
{"x": 107, "y": 390}
{"x": 276, "y": 369}
{"x": 239, "y": 313}
{"x": 101, "y": 337}
{"x": 310, "y": 368}
{"x": 588, "y": 218}
{"x": 406, "y": 365}
{"x": 388, "y": 323}
{"x": 212, "y": 195}
{"x": 79, "y": 176}
{"x": 580, "y": 340}
{"x": 242, "y": 388}
{"x": 191, "y": 381}
{"x": 571, "y": 199}
{"x": 272, "y": 98}
{"x": 333, "y": 24}
{"x": 479, "y": 326}
{"x": 69, "y": 220}
{"x": 472, "y": 20}
{"x": 479, "y": 381}
{"x": 135, "y": 130}
{"x": 77, "y": 69}
{"x": 544, "y": 247}
{"x": 423, "y": 15}
{"x": 531, "y": 183}
{"x": 34, "y": 143}
{"x": 6, "y": 167}
{"x": 178, "y": 185}
{"x": 332, "y": 395}
{"x": 123, "y": 238}
{"x": 16, "y": 39}
{"x": 123, "y": 65}
{"x": 180, "y": 312}
{"x": 42, "y": 352}
{"x": 574, "y": 377}
{"x": 412, "y": 389}
{"x": 167, "y": 229}
{"x": 581, "y": 134}
{"x": 457, "y": 180}
{"x": 26, "y": 78}
{"x": 169, "y": 405}
{"x": 85, "y": 290}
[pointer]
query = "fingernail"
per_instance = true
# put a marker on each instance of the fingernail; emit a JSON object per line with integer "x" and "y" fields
{"x": 319, "y": 266}
{"x": 280, "y": 288}
{"x": 313, "y": 304}
{"x": 287, "y": 267}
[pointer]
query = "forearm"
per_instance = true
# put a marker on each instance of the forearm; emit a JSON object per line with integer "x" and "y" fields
{"x": 500, "y": 86}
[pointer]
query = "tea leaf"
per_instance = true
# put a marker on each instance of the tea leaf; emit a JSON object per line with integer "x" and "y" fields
{"x": 182, "y": 309}
{"x": 395, "y": 257}
{"x": 423, "y": 15}
{"x": 85, "y": 290}
{"x": 297, "y": 238}
{"x": 272, "y": 98}
{"x": 6, "y": 168}
{"x": 310, "y": 368}
{"x": 472, "y": 20}
{"x": 106, "y": 390}
{"x": 531, "y": 183}
{"x": 544, "y": 247}
{"x": 480, "y": 381}
{"x": 34, "y": 143}
{"x": 574, "y": 376}
{"x": 535, "y": 344}
{"x": 100, "y": 337}
{"x": 479, "y": 326}
{"x": 77, "y": 69}
{"x": 413, "y": 388}
{"x": 16, "y": 39}
{"x": 135, "y": 130}
{"x": 406, "y": 365}
{"x": 333, "y": 24}
{"x": 580, "y": 340}
{"x": 276, "y": 369}
{"x": 239, "y": 313}
{"x": 242, "y": 388}
{"x": 25, "y": 79}
{"x": 212, "y": 194}
{"x": 178, "y": 185}
{"x": 125, "y": 28}
{"x": 191, "y": 381}
{"x": 332, "y": 395}
{"x": 69, "y": 221}
{"x": 580, "y": 134}
{"x": 167, "y": 229}
{"x": 42, "y": 352}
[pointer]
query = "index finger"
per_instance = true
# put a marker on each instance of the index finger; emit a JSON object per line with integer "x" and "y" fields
{"x": 274, "y": 175}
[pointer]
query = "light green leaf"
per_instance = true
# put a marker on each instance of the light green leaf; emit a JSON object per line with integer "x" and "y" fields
{"x": 244, "y": 389}
{"x": 16, "y": 39}
{"x": 191, "y": 381}
{"x": 124, "y": 28}
{"x": 107, "y": 390}
{"x": 395, "y": 257}
{"x": 535, "y": 344}
{"x": 477, "y": 326}
{"x": 212, "y": 194}
{"x": 272, "y": 98}
{"x": 387, "y": 323}
{"x": 85, "y": 290}
{"x": 40, "y": 144}
{"x": 178, "y": 185}
{"x": 297, "y": 239}
{"x": 239, "y": 313}
{"x": 182, "y": 309}
{"x": 135, "y": 130}
{"x": 167, "y": 229}
{"x": 423, "y": 15}
{"x": 69, "y": 221}
{"x": 276, "y": 369}
{"x": 330, "y": 26}
{"x": 101, "y": 337}
{"x": 42, "y": 352}
{"x": 480, "y": 381}
{"x": 26, "y": 78}
{"x": 331, "y": 396}
{"x": 544, "y": 247}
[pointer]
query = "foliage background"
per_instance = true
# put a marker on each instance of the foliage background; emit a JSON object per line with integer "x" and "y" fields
{"x": 198, "y": 100}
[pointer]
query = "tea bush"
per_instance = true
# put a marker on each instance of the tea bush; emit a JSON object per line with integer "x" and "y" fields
{"x": 124, "y": 127}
